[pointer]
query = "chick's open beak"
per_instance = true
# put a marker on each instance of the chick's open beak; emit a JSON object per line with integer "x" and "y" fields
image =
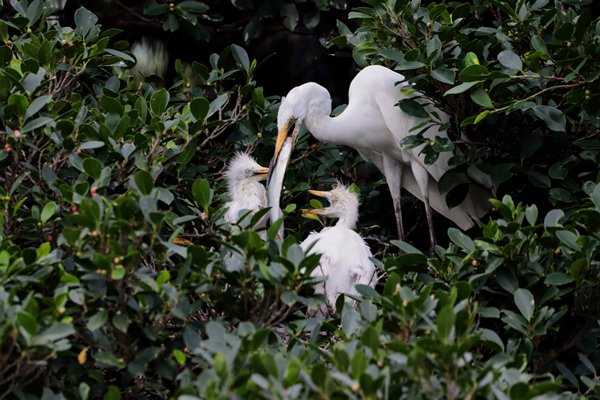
{"x": 318, "y": 193}
{"x": 261, "y": 173}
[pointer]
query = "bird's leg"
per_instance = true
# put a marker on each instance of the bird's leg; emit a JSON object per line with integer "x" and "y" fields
{"x": 392, "y": 170}
{"x": 422, "y": 177}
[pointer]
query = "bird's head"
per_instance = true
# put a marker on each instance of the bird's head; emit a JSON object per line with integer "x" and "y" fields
{"x": 343, "y": 204}
{"x": 243, "y": 167}
{"x": 299, "y": 102}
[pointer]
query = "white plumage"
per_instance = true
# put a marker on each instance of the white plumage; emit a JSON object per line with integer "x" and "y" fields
{"x": 345, "y": 257}
{"x": 375, "y": 126}
{"x": 243, "y": 176}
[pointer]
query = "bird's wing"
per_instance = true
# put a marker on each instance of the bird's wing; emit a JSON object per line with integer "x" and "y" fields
{"x": 399, "y": 123}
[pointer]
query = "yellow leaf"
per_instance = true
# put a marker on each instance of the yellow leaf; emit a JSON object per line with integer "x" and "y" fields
{"x": 82, "y": 357}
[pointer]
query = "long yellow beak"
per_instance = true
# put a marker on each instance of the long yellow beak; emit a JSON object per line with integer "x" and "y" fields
{"x": 281, "y": 136}
{"x": 312, "y": 214}
{"x": 312, "y": 211}
{"x": 318, "y": 193}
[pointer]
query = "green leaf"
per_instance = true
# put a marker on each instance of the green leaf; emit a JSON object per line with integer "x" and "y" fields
{"x": 471, "y": 59}
{"x": 553, "y": 117}
{"x": 113, "y": 393}
{"x": 531, "y": 214}
{"x": 84, "y": 391}
{"x": 351, "y": 320}
{"x": 510, "y": 60}
{"x": 413, "y": 108}
{"x": 473, "y": 73}
{"x": 217, "y": 104}
{"x": 179, "y": 356}
{"x": 36, "y": 105}
{"x": 481, "y": 116}
{"x": 463, "y": 87}
{"x": 202, "y": 193}
{"x": 596, "y": 196}
{"x": 98, "y": 320}
{"x": 558, "y": 278}
{"x": 27, "y": 322}
{"x": 481, "y": 97}
{"x": 108, "y": 359}
{"x": 194, "y": 6}
{"x": 552, "y": 218}
{"x": 461, "y": 240}
{"x": 34, "y": 11}
{"x": 251, "y": 29}
{"x": 144, "y": 182}
{"x": 569, "y": 239}
{"x": 54, "y": 333}
{"x": 47, "y": 212}
{"x": 159, "y": 101}
{"x": 240, "y": 56}
{"x": 525, "y": 303}
{"x": 117, "y": 273}
{"x": 85, "y": 20}
{"x": 444, "y": 75}
{"x": 405, "y": 247}
{"x": 36, "y": 123}
{"x": 92, "y": 167}
{"x": 492, "y": 337}
{"x": 290, "y": 12}
{"x": 111, "y": 105}
{"x": 538, "y": 44}
{"x": 32, "y": 81}
{"x": 92, "y": 144}
{"x": 18, "y": 104}
{"x": 445, "y": 322}
{"x": 127, "y": 150}
{"x": 152, "y": 8}
{"x": 199, "y": 108}
{"x": 538, "y": 179}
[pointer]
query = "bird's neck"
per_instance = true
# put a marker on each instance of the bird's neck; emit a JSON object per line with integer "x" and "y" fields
{"x": 324, "y": 127}
{"x": 348, "y": 220}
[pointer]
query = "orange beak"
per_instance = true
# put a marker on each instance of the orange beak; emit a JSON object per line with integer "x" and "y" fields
{"x": 262, "y": 173}
{"x": 318, "y": 193}
{"x": 281, "y": 136}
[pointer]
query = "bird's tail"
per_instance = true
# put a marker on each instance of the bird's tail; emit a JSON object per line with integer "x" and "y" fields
{"x": 475, "y": 205}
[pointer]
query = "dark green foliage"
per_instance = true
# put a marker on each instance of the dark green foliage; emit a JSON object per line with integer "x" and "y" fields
{"x": 120, "y": 279}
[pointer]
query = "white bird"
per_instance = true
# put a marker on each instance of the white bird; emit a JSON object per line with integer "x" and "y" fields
{"x": 345, "y": 257}
{"x": 374, "y": 125}
{"x": 247, "y": 193}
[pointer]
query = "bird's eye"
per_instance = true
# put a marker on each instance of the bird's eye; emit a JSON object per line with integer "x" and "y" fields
{"x": 248, "y": 171}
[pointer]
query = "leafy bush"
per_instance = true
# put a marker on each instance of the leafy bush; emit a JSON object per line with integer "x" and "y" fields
{"x": 120, "y": 279}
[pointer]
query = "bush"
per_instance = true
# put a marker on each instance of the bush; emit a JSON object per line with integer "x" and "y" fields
{"x": 120, "y": 279}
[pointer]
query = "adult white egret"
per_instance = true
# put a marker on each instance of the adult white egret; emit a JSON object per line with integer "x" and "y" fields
{"x": 345, "y": 257}
{"x": 375, "y": 126}
{"x": 243, "y": 176}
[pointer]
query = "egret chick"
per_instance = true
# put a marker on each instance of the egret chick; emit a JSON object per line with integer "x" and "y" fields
{"x": 243, "y": 176}
{"x": 345, "y": 257}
